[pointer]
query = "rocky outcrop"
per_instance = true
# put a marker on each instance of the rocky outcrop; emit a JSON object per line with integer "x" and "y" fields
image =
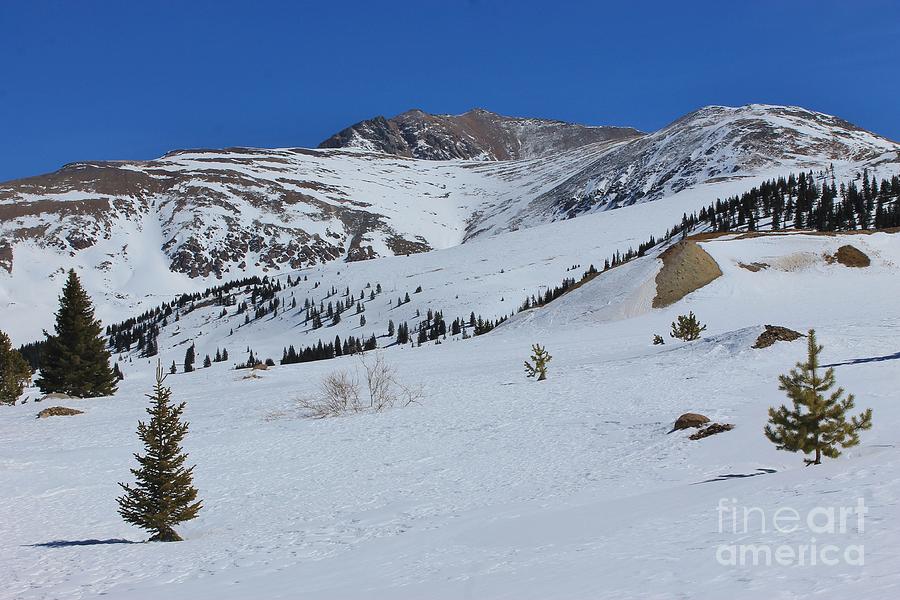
{"x": 776, "y": 333}
{"x": 476, "y": 135}
{"x": 686, "y": 267}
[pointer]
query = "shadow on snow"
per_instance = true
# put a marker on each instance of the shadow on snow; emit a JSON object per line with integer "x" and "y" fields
{"x": 860, "y": 361}
{"x": 67, "y": 543}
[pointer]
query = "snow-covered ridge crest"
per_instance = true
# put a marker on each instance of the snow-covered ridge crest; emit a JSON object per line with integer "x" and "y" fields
{"x": 715, "y": 144}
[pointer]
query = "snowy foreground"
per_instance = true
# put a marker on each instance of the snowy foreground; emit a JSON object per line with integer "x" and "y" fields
{"x": 496, "y": 486}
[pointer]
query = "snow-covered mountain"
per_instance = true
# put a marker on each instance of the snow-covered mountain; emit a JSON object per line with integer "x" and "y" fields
{"x": 476, "y": 135}
{"x": 712, "y": 145}
{"x": 138, "y": 231}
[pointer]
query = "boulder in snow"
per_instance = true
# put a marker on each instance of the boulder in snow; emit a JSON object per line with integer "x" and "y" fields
{"x": 688, "y": 420}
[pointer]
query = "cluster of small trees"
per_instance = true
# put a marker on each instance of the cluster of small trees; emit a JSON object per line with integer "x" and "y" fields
{"x": 320, "y": 351}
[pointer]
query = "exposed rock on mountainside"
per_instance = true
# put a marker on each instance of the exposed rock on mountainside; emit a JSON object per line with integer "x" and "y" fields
{"x": 475, "y": 135}
{"x": 686, "y": 267}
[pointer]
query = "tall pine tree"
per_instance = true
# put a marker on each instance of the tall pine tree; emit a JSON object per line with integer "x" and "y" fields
{"x": 816, "y": 423}
{"x": 164, "y": 494}
{"x": 76, "y": 361}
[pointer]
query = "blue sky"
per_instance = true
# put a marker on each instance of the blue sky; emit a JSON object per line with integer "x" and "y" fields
{"x": 107, "y": 80}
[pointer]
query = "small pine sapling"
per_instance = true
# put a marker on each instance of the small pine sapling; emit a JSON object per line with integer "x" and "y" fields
{"x": 687, "y": 328}
{"x": 816, "y": 423}
{"x": 540, "y": 358}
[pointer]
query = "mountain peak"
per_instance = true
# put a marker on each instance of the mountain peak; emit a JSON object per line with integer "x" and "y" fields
{"x": 478, "y": 134}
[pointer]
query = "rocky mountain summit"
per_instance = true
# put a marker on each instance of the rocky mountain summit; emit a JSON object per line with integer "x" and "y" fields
{"x": 476, "y": 135}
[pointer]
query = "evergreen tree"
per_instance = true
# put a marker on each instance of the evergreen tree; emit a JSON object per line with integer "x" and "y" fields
{"x": 14, "y": 372}
{"x": 173, "y": 369}
{"x": 540, "y": 358}
{"x": 163, "y": 495}
{"x": 207, "y": 362}
{"x": 118, "y": 372}
{"x": 816, "y": 423}
{"x": 75, "y": 360}
{"x": 687, "y": 328}
{"x": 189, "y": 359}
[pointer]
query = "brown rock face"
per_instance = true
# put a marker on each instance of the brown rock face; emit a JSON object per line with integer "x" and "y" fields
{"x": 688, "y": 420}
{"x": 686, "y": 267}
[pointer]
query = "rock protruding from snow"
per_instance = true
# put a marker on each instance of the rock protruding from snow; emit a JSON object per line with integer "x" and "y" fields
{"x": 686, "y": 268}
{"x": 59, "y": 411}
{"x": 711, "y": 429}
{"x": 688, "y": 420}
{"x": 776, "y": 333}
{"x": 851, "y": 256}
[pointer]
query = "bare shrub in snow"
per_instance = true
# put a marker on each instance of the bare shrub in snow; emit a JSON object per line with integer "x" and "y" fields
{"x": 338, "y": 394}
{"x": 385, "y": 390}
{"x": 340, "y": 391}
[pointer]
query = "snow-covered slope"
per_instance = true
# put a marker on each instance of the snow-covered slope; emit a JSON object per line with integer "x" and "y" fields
{"x": 496, "y": 486}
{"x": 140, "y": 232}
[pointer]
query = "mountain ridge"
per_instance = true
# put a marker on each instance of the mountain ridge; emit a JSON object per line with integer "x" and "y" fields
{"x": 194, "y": 215}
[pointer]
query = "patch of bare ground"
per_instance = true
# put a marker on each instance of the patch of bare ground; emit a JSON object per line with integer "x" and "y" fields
{"x": 711, "y": 429}
{"x": 58, "y": 411}
{"x": 686, "y": 267}
{"x": 754, "y": 267}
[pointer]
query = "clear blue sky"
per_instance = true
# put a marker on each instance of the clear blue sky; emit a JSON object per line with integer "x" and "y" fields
{"x": 107, "y": 80}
